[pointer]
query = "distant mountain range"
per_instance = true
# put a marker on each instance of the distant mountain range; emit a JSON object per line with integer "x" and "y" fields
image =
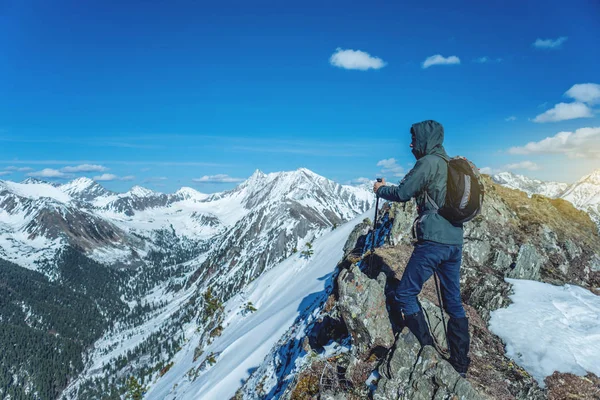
{"x": 130, "y": 255}
{"x": 584, "y": 194}
{"x": 142, "y": 275}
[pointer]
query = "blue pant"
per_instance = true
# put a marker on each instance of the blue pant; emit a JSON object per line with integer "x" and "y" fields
{"x": 426, "y": 258}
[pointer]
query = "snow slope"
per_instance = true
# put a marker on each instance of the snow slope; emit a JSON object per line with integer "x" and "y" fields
{"x": 35, "y": 190}
{"x": 550, "y": 328}
{"x": 280, "y": 295}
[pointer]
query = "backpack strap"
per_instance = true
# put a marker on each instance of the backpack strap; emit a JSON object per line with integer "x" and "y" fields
{"x": 428, "y": 198}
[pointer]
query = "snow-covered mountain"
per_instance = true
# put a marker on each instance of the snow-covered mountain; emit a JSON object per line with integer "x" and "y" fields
{"x": 265, "y": 351}
{"x": 84, "y": 189}
{"x": 37, "y": 218}
{"x": 530, "y": 186}
{"x": 583, "y": 194}
{"x": 170, "y": 248}
{"x": 257, "y": 225}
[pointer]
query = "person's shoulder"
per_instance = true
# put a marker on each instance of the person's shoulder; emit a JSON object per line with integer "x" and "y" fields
{"x": 431, "y": 159}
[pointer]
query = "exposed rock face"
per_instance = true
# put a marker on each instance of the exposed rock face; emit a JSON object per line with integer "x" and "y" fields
{"x": 362, "y": 305}
{"x": 528, "y": 264}
{"x": 358, "y": 231}
{"x": 414, "y": 373}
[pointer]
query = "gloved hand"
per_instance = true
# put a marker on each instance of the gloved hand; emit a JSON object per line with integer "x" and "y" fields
{"x": 377, "y": 185}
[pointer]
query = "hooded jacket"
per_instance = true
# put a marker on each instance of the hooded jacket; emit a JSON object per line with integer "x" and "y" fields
{"x": 428, "y": 176}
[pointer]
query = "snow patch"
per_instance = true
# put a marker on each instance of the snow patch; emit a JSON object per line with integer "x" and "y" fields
{"x": 550, "y": 328}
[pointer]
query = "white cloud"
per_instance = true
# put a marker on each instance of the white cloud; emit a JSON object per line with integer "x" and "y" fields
{"x": 390, "y": 166}
{"x": 113, "y": 177}
{"x": 583, "y": 143}
{"x": 438, "y": 59}
{"x": 510, "y": 119}
{"x": 219, "y": 178}
{"x": 528, "y": 165}
{"x": 49, "y": 173}
{"x": 550, "y": 43}
{"x": 565, "y": 111}
{"x": 485, "y": 59}
{"x": 106, "y": 177}
{"x": 487, "y": 170}
{"x": 18, "y": 169}
{"x": 355, "y": 59}
{"x": 2, "y": 173}
{"x": 585, "y": 93}
{"x": 85, "y": 168}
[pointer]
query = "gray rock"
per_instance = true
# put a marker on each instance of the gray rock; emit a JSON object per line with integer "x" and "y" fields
{"x": 381, "y": 279}
{"x": 332, "y": 396}
{"x": 403, "y": 220}
{"x": 434, "y": 318}
{"x": 478, "y": 250}
{"x": 362, "y": 306}
{"x": 528, "y": 264}
{"x": 412, "y": 373}
{"x": 357, "y": 232}
{"x": 490, "y": 294}
{"x": 502, "y": 261}
{"x": 595, "y": 263}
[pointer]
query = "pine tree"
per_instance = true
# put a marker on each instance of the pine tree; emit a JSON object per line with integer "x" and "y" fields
{"x": 308, "y": 252}
{"x": 135, "y": 391}
{"x": 249, "y": 307}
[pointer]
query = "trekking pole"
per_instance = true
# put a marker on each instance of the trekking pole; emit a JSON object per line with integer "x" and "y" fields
{"x": 437, "y": 289}
{"x": 374, "y": 230}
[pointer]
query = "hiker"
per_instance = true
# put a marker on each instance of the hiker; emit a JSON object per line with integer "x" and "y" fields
{"x": 438, "y": 246}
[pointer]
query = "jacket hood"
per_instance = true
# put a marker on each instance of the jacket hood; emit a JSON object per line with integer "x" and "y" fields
{"x": 429, "y": 139}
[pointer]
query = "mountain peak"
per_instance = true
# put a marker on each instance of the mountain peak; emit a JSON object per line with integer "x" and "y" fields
{"x": 79, "y": 184}
{"x": 33, "y": 181}
{"x": 140, "y": 191}
{"x": 591, "y": 178}
{"x": 84, "y": 189}
{"x": 189, "y": 193}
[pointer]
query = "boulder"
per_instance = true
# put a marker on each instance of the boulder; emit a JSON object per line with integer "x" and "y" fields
{"x": 362, "y": 305}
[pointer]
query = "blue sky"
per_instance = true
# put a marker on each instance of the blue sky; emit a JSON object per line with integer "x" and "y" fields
{"x": 189, "y": 93}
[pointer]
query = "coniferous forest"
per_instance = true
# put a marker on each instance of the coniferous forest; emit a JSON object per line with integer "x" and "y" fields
{"x": 45, "y": 326}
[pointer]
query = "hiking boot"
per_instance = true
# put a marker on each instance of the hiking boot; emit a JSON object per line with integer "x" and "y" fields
{"x": 418, "y": 326}
{"x": 459, "y": 341}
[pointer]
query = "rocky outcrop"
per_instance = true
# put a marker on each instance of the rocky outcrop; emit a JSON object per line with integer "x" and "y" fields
{"x": 414, "y": 373}
{"x": 515, "y": 236}
{"x": 362, "y": 303}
